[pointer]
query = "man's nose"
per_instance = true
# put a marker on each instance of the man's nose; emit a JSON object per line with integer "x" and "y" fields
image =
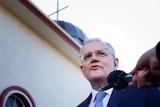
{"x": 94, "y": 56}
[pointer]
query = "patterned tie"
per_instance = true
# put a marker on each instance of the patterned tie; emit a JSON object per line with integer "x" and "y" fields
{"x": 99, "y": 98}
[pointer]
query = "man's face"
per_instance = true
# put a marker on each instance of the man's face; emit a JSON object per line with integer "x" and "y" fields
{"x": 98, "y": 62}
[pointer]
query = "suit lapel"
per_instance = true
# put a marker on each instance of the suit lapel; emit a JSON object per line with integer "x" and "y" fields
{"x": 86, "y": 102}
{"x": 116, "y": 97}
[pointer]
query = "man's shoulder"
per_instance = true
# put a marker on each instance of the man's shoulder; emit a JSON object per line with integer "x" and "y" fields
{"x": 147, "y": 91}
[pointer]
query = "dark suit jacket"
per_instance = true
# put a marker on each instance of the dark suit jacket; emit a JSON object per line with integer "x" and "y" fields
{"x": 131, "y": 97}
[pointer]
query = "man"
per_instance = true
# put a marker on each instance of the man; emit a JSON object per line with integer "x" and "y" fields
{"x": 98, "y": 60}
{"x": 149, "y": 62}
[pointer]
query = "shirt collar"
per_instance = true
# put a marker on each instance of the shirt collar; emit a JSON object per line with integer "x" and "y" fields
{"x": 94, "y": 92}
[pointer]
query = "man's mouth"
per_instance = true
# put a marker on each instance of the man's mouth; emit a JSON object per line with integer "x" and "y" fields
{"x": 94, "y": 67}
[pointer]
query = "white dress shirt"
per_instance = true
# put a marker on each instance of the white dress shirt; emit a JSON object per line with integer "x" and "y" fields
{"x": 105, "y": 100}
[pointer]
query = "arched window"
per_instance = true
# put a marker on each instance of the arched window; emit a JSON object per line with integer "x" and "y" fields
{"x": 16, "y": 100}
{"x": 16, "y": 97}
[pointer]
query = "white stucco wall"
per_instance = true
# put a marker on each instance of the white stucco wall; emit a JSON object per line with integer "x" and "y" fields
{"x": 31, "y": 62}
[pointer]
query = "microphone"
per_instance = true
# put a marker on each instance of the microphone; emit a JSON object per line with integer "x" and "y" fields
{"x": 118, "y": 79}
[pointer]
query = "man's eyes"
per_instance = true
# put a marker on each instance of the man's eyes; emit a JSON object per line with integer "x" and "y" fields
{"x": 98, "y": 53}
{"x": 87, "y": 56}
{"x": 101, "y": 53}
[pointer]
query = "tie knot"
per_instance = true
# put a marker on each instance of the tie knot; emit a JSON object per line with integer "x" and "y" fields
{"x": 100, "y": 95}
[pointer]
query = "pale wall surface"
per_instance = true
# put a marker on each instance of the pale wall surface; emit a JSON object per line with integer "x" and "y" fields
{"x": 29, "y": 61}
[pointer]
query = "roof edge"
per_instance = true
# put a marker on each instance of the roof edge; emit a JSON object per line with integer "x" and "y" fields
{"x": 51, "y": 24}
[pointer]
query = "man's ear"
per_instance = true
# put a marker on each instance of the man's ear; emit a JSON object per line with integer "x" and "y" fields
{"x": 81, "y": 67}
{"x": 116, "y": 63}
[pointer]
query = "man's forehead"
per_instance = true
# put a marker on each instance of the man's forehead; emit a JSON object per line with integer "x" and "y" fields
{"x": 93, "y": 46}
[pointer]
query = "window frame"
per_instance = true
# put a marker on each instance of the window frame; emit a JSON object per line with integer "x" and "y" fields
{"x": 13, "y": 90}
